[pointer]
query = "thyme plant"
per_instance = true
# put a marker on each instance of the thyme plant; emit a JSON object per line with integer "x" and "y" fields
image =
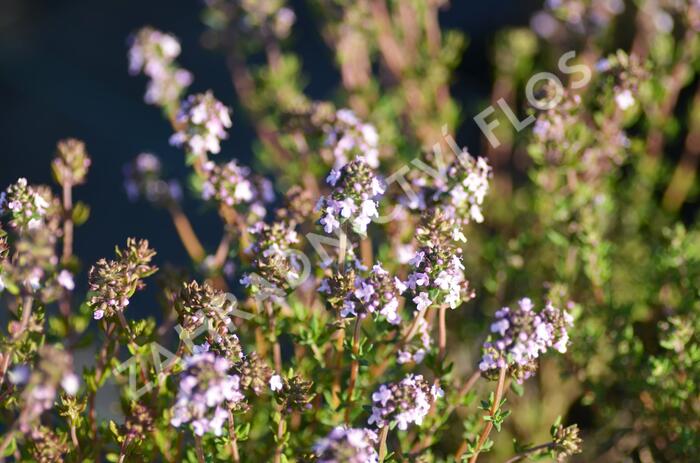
{"x": 379, "y": 294}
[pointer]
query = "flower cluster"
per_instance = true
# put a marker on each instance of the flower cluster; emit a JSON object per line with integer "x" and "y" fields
{"x": 35, "y": 217}
{"x": 378, "y": 293}
{"x": 113, "y": 282}
{"x": 275, "y": 262}
{"x": 557, "y": 144}
{"x": 551, "y": 125}
{"x": 403, "y": 403}
{"x": 469, "y": 184}
{"x": 566, "y": 441}
{"x": 581, "y": 16}
{"x": 262, "y": 19}
{"x": 628, "y": 74}
{"x": 54, "y": 369}
{"x": 142, "y": 177}
{"x": 33, "y": 266}
{"x": 29, "y": 206}
{"x": 348, "y": 445}
{"x": 348, "y": 138}
{"x": 199, "y": 304}
{"x": 201, "y": 124}
{"x": 153, "y": 52}
{"x": 268, "y": 15}
{"x": 292, "y": 393}
{"x": 233, "y": 184}
{"x": 46, "y": 446}
{"x": 71, "y": 164}
{"x": 453, "y": 195}
{"x": 437, "y": 277}
{"x": 520, "y": 336}
{"x": 205, "y": 392}
{"x": 256, "y": 375}
{"x": 139, "y": 422}
{"x": 355, "y": 188}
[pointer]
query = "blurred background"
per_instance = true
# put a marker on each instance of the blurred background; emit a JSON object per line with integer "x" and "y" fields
{"x": 63, "y": 73}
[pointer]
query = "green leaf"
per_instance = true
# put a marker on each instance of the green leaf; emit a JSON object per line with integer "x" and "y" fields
{"x": 81, "y": 213}
{"x": 517, "y": 388}
{"x": 11, "y": 447}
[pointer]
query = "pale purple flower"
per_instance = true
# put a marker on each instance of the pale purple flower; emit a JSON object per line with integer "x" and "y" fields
{"x": 205, "y": 392}
{"x": 65, "y": 279}
{"x": 154, "y": 52}
{"x": 353, "y": 198}
{"x": 403, "y": 403}
{"x": 347, "y": 445}
{"x": 422, "y": 301}
{"x": 348, "y": 138}
{"x": 377, "y": 294}
{"x": 202, "y": 122}
{"x": 520, "y": 336}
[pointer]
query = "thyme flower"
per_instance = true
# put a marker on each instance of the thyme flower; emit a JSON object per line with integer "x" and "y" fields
{"x": 377, "y": 293}
{"x": 202, "y": 122}
{"x": 29, "y": 206}
{"x": 348, "y": 138}
{"x": 273, "y": 258}
{"x": 71, "y": 164}
{"x": 403, "y": 403}
{"x": 113, "y": 282}
{"x": 205, "y": 391}
{"x": 54, "y": 369}
{"x": 355, "y": 188}
{"x": 233, "y": 184}
{"x": 519, "y": 336}
{"x": 437, "y": 277}
{"x": 347, "y": 445}
{"x": 154, "y": 52}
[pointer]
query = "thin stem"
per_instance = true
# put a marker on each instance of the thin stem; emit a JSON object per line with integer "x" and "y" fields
{"x": 382, "y": 443}
{"x": 366, "y": 252}
{"x": 64, "y": 304}
{"x": 122, "y": 449}
{"x": 392, "y": 52}
{"x": 442, "y": 334}
{"x": 125, "y": 325}
{"x": 198, "y": 448}
{"x": 67, "y": 222}
{"x": 339, "y": 348}
{"x": 527, "y": 452}
{"x": 232, "y": 436}
{"x": 186, "y": 233}
{"x": 354, "y": 367}
{"x": 74, "y": 438}
{"x": 276, "y": 348}
{"x": 281, "y": 425}
{"x": 222, "y": 251}
{"x": 342, "y": 249}
{"x": 489, "y": 424}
